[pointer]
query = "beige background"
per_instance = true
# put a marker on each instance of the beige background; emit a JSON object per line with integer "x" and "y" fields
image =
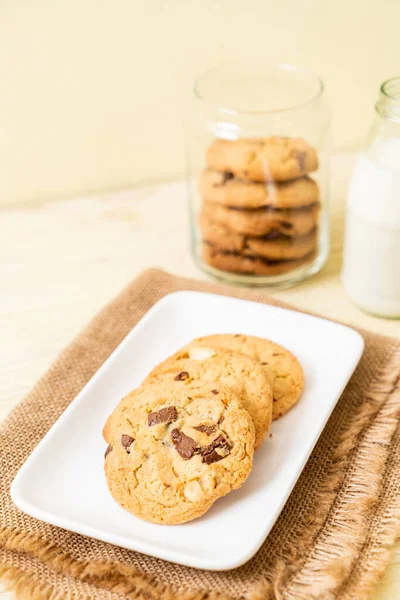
{"x": 92, "y": 90}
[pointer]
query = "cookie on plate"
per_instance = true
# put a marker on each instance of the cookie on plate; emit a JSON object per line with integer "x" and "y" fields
{"x": 173, "y": 452}
{"x": 261, "y": 221}
{"x": 235, "y": 370}
{"x": 263, "y": 159}
{"x": 276, "y": 246}
{"x": 243, "y": 262}
{"x": 282, "y": 367}
{"x": 226, "y": 189}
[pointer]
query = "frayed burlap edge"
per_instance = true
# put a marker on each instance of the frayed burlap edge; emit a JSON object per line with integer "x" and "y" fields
{"x": 113, "y": 577}
{"x": 25, "y": 585}
{"x": 296, "y": 574}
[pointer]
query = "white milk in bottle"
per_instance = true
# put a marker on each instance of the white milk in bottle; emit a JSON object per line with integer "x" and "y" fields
{"x": 371, "y": 266}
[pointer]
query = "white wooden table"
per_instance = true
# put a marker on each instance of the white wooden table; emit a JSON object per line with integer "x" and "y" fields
{"x": 61, "y": 261}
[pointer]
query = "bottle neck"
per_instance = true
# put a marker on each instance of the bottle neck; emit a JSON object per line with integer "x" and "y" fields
{"x": 388, "y": 104}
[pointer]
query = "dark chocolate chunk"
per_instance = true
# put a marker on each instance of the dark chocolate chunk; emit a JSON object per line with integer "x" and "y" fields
{"x": 109, "y": 449}
{"x": 185, "y": 445}
{"x": 273, "y": 235}
{"x": 301, "y": 159}
{"x": 287, "y": 225}
{"x": 227, "y": 175}
{"x": 169, "y": 414}
{"x": 217, "y": 450}
{"x": 212, "y": 457}
{"x": 208, "y": 429}
{"x": 126, "y": 441}
{"x": 215, "y": 392}
{"x": 182, "y": 376}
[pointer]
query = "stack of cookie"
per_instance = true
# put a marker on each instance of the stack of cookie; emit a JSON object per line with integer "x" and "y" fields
{"x": 260, "y": 207}
{"x": 187, "y": 435}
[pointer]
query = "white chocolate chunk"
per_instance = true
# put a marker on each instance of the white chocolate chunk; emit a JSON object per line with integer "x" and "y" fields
{"x": 201, "y": 353}
{"x": 193, "y": 491}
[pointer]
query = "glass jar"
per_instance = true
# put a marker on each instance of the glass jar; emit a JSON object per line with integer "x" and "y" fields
{"x": 371, "y": 266}
{"x": 258, "y": 174}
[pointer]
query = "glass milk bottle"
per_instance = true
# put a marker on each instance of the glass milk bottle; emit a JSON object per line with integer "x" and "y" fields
{"x": 371, "y": 267}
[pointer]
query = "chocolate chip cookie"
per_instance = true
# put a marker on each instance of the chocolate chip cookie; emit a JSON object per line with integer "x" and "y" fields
{"x": 273, "y": 246}
{"x": 226, "y": 189}
{"x": 281, "y": 366}
{"x": 173, "y": 452}
{"x": 261, "y": 221}
{"x": 235, "y": 370}
{"x": 241, "y": 263}
{"x": 263, "y": 159}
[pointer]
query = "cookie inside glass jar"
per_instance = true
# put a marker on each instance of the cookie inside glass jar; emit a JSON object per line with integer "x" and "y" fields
{"x": 260, "y": 205}
{"x": 258, "y": 150}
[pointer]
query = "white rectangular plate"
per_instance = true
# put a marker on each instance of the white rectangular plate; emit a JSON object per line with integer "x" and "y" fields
{"x": 63, "y": 482}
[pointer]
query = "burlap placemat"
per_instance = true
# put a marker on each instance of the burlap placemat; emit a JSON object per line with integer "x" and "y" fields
{"x": 332, "y": 540}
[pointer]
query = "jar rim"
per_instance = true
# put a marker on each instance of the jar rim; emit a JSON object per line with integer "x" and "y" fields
{"x": 393, "y": 82}
{"x": 260, "y": 70}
